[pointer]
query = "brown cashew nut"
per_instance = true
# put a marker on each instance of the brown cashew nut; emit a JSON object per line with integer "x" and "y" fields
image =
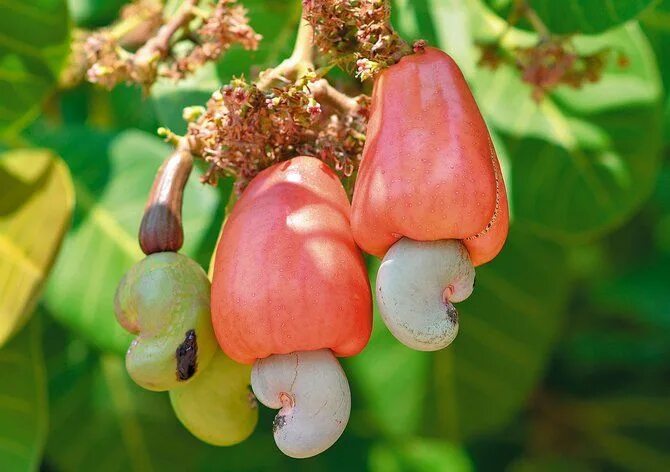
{"x": 161, "y": 228}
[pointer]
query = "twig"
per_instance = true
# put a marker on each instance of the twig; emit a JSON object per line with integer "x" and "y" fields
{"x": 299, "y": 62}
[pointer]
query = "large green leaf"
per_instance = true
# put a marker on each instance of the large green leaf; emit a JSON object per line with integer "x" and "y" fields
{"x": 35, "y": 212}
{"x": 23, "y": 400}
{"x": 579, "y": 16}
{"x": 507, "y": 329}
{"x": 34, "y": 42}
{"x": 112, "y": 178}
{"x": 656, "y": 24}
{"x": 582, "y": 160}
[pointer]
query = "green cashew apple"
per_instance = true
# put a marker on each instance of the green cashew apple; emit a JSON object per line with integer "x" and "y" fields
{"x": 217, "y": 407}
{"x": 164, "y": 299}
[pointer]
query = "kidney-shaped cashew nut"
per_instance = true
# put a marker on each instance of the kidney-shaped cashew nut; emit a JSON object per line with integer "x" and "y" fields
{"x": 312, "y": 394}
{"x": 417, "y": 284}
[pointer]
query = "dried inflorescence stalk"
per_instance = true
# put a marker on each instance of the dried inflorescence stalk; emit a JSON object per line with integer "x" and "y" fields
{"x": 164, "y": 48}
{"x": 358, "y": 30}
{"x": 244, "y": 129}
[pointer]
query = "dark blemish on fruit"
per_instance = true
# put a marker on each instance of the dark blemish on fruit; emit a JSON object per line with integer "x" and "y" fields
{"x": 278, "y": 423}
{"x": 187, "y": 356}
{"x": 452, "y": 313}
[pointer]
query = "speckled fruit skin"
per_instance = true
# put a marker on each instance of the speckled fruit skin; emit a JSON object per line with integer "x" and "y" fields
{"x": 288, "y": 276}
{"x": 429, "y": 168}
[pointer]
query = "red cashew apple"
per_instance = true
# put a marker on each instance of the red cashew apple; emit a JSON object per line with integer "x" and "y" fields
{"x": 429, "y": 173}
{"x": 289, "y": 293}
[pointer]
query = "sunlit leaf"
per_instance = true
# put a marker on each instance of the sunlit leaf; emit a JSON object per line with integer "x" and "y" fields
{"x": 35, "y": 212}
{"x": 23, "y": 400}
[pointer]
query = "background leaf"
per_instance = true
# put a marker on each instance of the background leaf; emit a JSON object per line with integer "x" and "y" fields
{"x": 112, "y": 177}
{"x": 30, "y": 57}
{"x": 596, "y": 149}
{"x": 507, "y": 330}
{"x": 578, "y": 16}
{"x": 419, "y": 455}
{"x": 35, "y": 212}
{"x": 23, "y": 400}
{"x": 94, "y": 13}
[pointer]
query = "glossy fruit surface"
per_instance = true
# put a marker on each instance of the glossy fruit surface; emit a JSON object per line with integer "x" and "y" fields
{"x": 288, "y": 276}
{"x": 164, "y": 299}
{"x": 429, "y": 170}
{"x": 217, "y": 407}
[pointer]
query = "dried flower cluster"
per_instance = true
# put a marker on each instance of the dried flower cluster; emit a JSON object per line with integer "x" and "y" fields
{"x": 244, "y": 130}
{"x": 548, "y": 64}
{"x": 357, "y": 30}
{"x": 226, "y": 25}
{"x": 173, "y": 48}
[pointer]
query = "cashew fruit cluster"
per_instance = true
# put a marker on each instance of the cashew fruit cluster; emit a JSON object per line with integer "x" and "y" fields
{"x": 165, "y": 300}
{"x": 429, "y": 197}
{"x": 290, "y": 293}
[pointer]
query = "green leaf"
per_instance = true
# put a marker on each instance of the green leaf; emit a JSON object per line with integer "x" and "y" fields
{"x": 277, "y": 22}
{"x": 583, "y": 160}
{"x": 419, "y": 455}
{"x": 94, "y": 13}
{"x": 587, "y": 17}
{"x": 112, "y": 178}
{"x": 102, "y": 421}
{"x": 579, "y": 16}
{"x": 35, "y": 212}
{"x": 169, "y": 98}
{"x": 507, "y": 329}
{"x": 656, "y": 24}
{"x": 23, "y": 400}
{"x": 34, "y": 43}
{"x": 641, "y": 291}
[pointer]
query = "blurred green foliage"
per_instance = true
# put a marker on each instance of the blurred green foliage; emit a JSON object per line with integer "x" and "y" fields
{"x": 563, "y": 358}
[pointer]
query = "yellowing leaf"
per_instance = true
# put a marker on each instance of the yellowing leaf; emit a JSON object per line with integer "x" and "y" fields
{"x": 35, "y": 209}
